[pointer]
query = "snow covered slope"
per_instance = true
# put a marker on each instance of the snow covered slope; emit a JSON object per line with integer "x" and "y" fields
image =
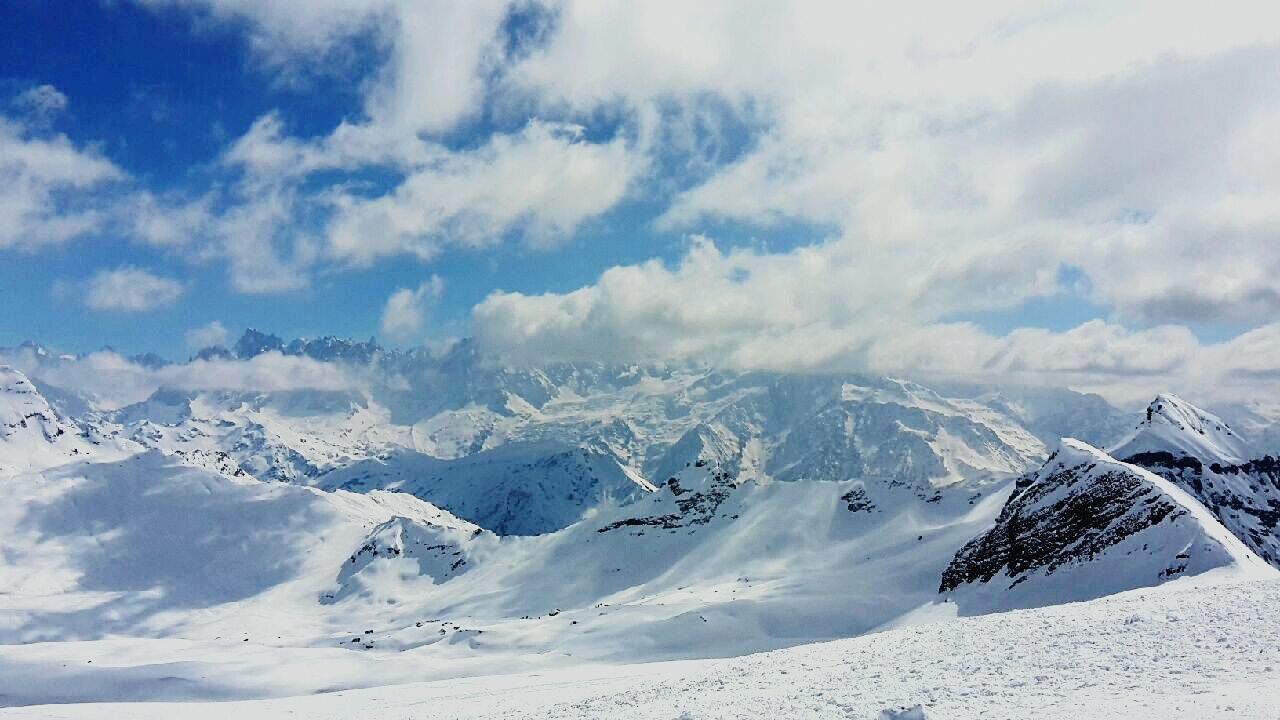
{"x": 250, "y": 547}
{"x": 499, "y": 468}
{"x": 287, "y": 436}
{"x": 1087, "y": 525}
{"x": 151, "y": 547}
{"x": 148, "y": 546}
{"x": 1182, "y": 651}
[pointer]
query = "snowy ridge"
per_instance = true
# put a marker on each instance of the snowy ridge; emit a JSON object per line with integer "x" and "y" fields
{"x": 1087, "y": 525}
{"x": 466, "y": 519}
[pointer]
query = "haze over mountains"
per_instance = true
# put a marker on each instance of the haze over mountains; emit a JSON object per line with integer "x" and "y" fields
{"x": 467, "y": 517}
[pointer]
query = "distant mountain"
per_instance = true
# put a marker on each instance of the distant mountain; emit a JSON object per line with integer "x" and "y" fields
{"x": 517, "y": 489}
{"x": 1173, "y": 425}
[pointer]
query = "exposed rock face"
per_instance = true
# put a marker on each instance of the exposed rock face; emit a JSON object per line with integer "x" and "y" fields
{"x": 692, "y": 507}
{"x": 1083, "y": 508}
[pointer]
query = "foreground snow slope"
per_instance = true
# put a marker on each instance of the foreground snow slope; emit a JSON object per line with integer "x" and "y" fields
{"x": 147, "y": 547}
{"x": 1193, "y": 648}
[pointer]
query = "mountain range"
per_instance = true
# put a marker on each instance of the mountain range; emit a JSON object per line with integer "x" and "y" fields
{"x": 464, "y": 514}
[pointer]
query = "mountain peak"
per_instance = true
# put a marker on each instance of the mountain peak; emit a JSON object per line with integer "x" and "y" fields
{"x": 1173, "y": 425}
{"x": 254, "y": 342}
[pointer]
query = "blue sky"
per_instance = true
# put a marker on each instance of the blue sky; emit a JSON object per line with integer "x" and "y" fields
{"x": 162, "y": 94}
{"x": 817, "y": 186}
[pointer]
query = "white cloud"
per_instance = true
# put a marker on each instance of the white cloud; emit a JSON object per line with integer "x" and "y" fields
{"x": 47, "y": 188}
{"x": 284, "y": 32}
{"x": 130, "y": 289}
{"x": 209, "y": 335}
{"x": 962, "y": 156}
{"x": 813, "y": 310}
{"x": 169, "y": 224}
{"x": 406, "y": 310}
{"x": 544, "y": 180}
{"x": 962, "y": 160}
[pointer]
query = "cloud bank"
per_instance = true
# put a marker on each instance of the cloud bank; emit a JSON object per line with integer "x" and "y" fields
{"x": 964, "y": 159}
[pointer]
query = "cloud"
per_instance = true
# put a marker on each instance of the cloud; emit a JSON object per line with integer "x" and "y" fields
{"x": 282, "y": 33}
{"x": 813, "y": 310}
{"x": 130, "y": 289}
{"x": 42, "y": 102}
{"x": 959, "y": 159}
{"x": 210, "y": 335}
{"x": 110, "y": 381}
{"x": 48, "y": 188}
{"x": 545, "y": 180}
{"x": 406, "y": 310}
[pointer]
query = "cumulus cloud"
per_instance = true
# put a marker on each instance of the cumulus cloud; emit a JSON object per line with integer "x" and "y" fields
{"x": 130, "y": 289}
{"x": 545, "y": 179}
{"x": 962, "y": 157}
{"x": 48, "y": 188}
{"x": 806, "y": 311}
{"x": 214, "y": 333}
{"x": 406, "y": 310}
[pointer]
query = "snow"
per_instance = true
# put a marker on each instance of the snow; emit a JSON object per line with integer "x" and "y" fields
{"x": 1189, "y": 649}
{"x": 1240, "y": 556}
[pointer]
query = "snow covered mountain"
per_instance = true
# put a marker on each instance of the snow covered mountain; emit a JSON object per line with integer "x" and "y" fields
{"x": 1200, "y": 453}
{"x": 34, "y": 435}
{"x": 1086, "y": 525}
{"x": 515, "y": 489}
{"x": 1175, "y": 426}
{"x": 149, "y": 545}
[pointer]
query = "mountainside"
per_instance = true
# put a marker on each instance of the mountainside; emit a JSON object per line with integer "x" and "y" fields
{"x": 150, "y": 546}
{"x": 289, "y": 436}
{"x": 516, "y": 489}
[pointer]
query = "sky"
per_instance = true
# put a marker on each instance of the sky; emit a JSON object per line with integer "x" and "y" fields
{"x": 1082, "y": 192}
